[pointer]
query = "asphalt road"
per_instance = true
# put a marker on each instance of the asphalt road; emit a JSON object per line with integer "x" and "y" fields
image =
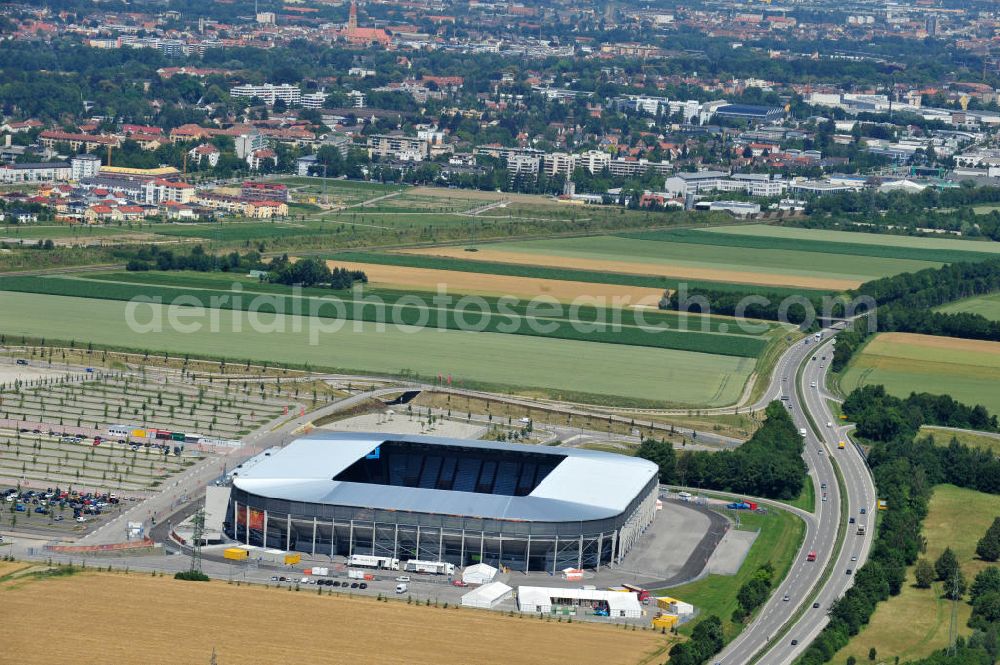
{"x": 761, "y": 637}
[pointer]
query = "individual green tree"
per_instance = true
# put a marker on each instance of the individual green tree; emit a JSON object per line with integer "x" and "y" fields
{"x": 988, "y": 547}
{"x": 662, "y": 454}
{"x": 987, "y": 581}
{"x": 924, "y": 574}
{"x": 946, "y": 564}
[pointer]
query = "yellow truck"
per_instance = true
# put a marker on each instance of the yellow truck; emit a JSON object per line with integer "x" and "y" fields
{"x": 236, "y": 554}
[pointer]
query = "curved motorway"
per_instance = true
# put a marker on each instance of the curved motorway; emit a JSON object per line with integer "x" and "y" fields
{"x": 778, "y": 634}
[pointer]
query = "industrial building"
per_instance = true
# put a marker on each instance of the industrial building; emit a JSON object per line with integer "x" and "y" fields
{"x": 527, "y": 508}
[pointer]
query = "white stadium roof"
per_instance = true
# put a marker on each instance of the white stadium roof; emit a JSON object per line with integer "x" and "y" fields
{"x": 584, "y": 485}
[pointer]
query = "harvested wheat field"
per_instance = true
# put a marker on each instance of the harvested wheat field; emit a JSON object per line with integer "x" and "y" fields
{"x": 904, "y": 362}
{"x": 162, "y": 620}
{"x": 662, "y": 269}
{"x": 474, "y": 283}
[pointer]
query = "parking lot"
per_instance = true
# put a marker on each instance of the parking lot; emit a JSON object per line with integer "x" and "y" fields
{"x": 57, "y": 511}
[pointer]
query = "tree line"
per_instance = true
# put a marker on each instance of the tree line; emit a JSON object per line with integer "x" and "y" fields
{"x": 769, "y": 464}
{"x": 280, "y": 270}
{"x": 884, "y": 417}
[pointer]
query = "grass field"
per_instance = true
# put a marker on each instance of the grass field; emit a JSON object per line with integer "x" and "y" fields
{"x": 553, "y": 366}
{"x": 987, "y": 306}
{"x": 763, "y": 238}
{"x": 688, "y": 260}
{"x": 943, "y": 437}
{"x": 965, "y": 369}
{"x": 260, "y": 625}
{"x": 878, "y": 240}
{"x": 915, "y": 623}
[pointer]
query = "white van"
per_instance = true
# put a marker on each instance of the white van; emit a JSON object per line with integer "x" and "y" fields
{"x": 401, "y": 588}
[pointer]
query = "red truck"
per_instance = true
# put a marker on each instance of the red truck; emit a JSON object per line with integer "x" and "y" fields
{"x": 638, "y": 590}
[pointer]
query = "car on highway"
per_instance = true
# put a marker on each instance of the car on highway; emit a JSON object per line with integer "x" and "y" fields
{"x": 786, "y": 598}
{"x": 864, "y": 510}
{"x": 850, "y": 521}
{"x": 812, "y": 384}
{"x": 795, "y": 643}
{"x": 854, "y": 558}
{"x": 824, "y": 497}
{"x": 822, "y": 486}
{"x": 815, "y": 606}
{"x": 849, "y": 571}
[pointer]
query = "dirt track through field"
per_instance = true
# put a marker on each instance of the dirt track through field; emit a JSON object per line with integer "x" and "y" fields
{"x": 161, "y": 620}
{"x": 640, "y": 268}
{"x": 498, "y": 285}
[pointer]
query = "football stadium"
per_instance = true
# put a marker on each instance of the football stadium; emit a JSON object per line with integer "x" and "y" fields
{"x": 400, "y": 498}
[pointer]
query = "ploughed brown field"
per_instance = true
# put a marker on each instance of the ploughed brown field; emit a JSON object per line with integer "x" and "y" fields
{"x": 151, "y": 620}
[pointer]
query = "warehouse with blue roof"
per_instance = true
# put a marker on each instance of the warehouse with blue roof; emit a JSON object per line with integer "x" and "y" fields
{"x": 529, "y": 508}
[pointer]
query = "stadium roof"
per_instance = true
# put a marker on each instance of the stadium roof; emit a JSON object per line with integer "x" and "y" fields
{"x": 584, "y": 485}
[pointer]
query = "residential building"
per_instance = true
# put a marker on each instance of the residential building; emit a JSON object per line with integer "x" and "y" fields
{"x": 159, "y": 190}
{"x": 263, "y": 191}
{"x": 268, "y": 93}
{"x": 314, "y": 100}
{"x": 84, "y": 166}
{"x": 247, "y": 144}
{"x": 39, "y": 172}
{"x": 403, "y": 148}
{"x": 88, "y": 142}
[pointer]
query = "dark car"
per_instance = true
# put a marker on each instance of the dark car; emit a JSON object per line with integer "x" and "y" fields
{"x": 363, "y": 585}
{"x": 336, "y": 583}
{"x": 795, "y": 643}
{"x": 354, "y": 585}
{"x": 849, "y": 571}
{"x": 815, "y": 606}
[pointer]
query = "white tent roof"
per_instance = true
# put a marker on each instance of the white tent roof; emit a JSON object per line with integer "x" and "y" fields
{"x": 616, "y": 600}
{"x": 479, "y": 573}
{"x": 486, "y": 595}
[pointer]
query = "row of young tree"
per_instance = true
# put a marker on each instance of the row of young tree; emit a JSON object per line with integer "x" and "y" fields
{"x": 769, "y": 464}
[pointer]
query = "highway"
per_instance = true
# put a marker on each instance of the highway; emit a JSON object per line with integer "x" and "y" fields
{"x": 763, "y": 638}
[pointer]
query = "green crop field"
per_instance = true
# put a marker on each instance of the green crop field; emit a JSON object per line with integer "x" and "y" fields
{"x": 987, "y": 306}
{"x": 915, "y": 623}
{"x": 858, "y": 238}
{"x": 346, "y": 191}
{"x": 761, "y": 240}
{"x": 515, "y": 318}
{"x": 221, "y": 281}
{"x": 777, "y": 262}
{"x": 609, "y": 372}
{"x": 904, "y": 363}
{"x": 779, "y": 537}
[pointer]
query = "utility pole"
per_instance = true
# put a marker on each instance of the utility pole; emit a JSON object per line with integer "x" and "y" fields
{"x": 197, "y": 536}
{"x": 953, "y": 627}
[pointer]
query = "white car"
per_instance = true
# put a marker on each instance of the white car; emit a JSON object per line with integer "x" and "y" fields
{"x": 829, "y": 424}
{"x": 403, "y": 578}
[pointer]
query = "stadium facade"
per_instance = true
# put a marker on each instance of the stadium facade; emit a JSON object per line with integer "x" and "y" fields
{"x": 530, "y": 508}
